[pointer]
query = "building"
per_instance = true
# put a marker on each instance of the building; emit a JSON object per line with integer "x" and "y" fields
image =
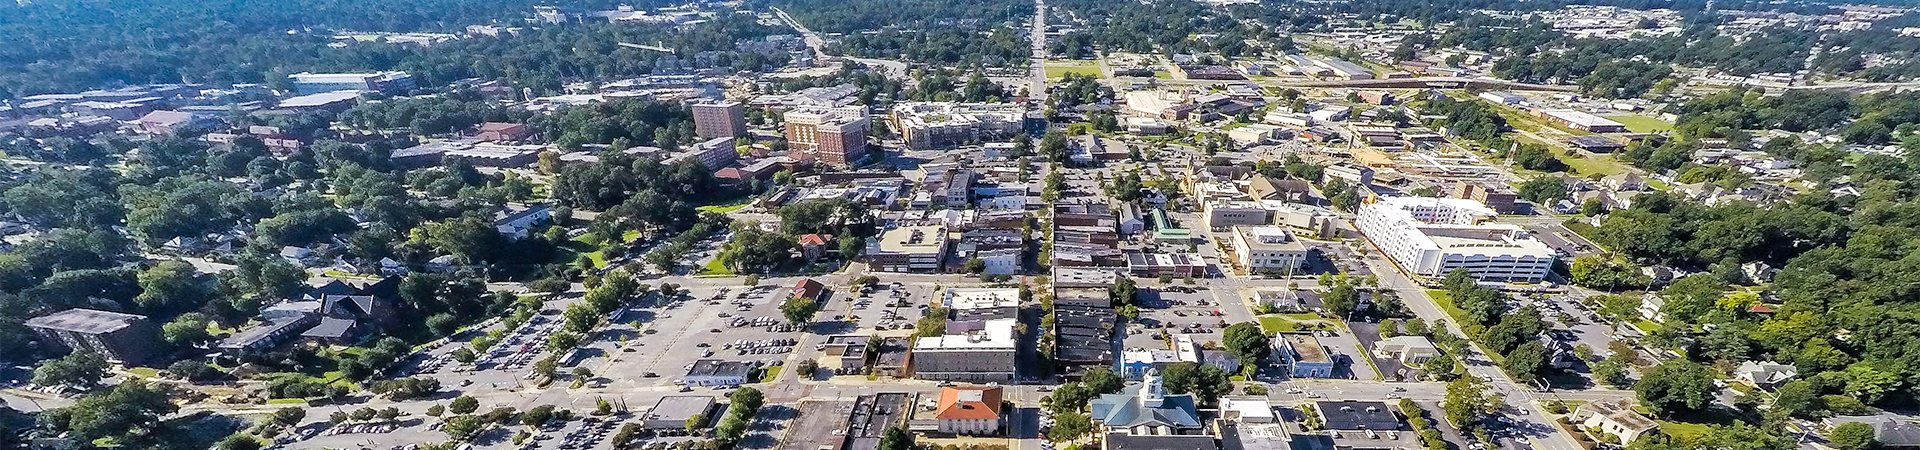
{"x": 1248, "y": 410}
{"x": 833, "y": 136}
{"x": 970, "y": 410}
{"x": 162, "y": 123}
{"x": 500, "y": 131}
{"x": 1267, "y": 250}
{"x": 313, "y": 83}
{"x": 1498, "y": 197}
{"x": 936, "y": 125}
{"x": 1345, "y": 69}
{"x": 1225, "y": 215}
{"x": 679, "y": 412}
{"x": 325, "y": 102}
{"x": 278, "y": 324}
{"x": 724, "y": 119}
{"x": 118, "y": 337}
{"x": 986, "y": 355}
{"x": 1581, "y": 121}
{"x": 1158, "y": 104}
{"x": 516, "y": 222}
{"x": 1357, "y": 416}
{"x": 1889, "y": 430}
{"x": 844, "y": 355}
{"x": 909, "y": 249}
{"x": 1354, "y": 174}
{"x": 1503, "y": 98}
{"x": 1408, "y": 349}
{"x": 1616, "y": 418}
{"x": 1179, "y": 265}
{"x": 872, "y": 415}
{"x": 1302, "y": 356}
{"x": 1595, "y": 144}
{"x": 1764, "y": 374}
{"x": 713, "y": 154}
{"x": 1433, "y": 236}
{"x": 1145, "y": 409}
{"x": 714, "y": 372}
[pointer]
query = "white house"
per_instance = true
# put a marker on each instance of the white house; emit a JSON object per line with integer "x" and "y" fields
{"x": 515, "y": 222}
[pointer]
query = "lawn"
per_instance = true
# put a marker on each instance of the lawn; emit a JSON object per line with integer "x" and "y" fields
{"x": 287, "y": 401}
{"x": 1685, "y": 432}
{"x": 714, "y": 267}
{"x": 723, "y": 209}
{"x": 1445, "y": 300}
{"x": 148, "y": 372}
{"x": 1642, "y": 124}
{"x": 1276, "y": 324}
{"x": 1603, "y": 165}
{"x": 1055, "y": 71}
{"x": 772, "y": 373}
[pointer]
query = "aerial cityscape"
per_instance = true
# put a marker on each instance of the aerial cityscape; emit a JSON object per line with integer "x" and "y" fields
{"x": 940, "y": 225}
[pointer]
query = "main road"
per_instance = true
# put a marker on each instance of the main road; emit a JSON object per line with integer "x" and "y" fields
{"x": 1519, "y": 396}
{"x": 819, "y": 45}
{"x": 1037, "y": 86}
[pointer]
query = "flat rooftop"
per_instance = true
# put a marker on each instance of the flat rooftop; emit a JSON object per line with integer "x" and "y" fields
{"x": 1306, "y": 347}
{"x": 86, "y": 321}
{"x": 997, "y": 335}
{"x": 918, "y": 239}
{"x": 679, "y": 407}
{"x": 1350, "y": 415}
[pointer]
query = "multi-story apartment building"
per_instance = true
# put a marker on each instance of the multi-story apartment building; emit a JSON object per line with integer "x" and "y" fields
{"x": 121, "y": 337}
{"x": 724, "y": 119}
{"x": 933, "y": 125}
{"x": 833, "y": 136}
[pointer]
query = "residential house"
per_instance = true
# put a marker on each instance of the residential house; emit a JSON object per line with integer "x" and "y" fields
{"x": 813, "y": 246}
{"x": 515, "y": 222}
{"x": 1764, "y": 374}
{"x": 1616, "y": 418}
{"x": 1408, "y": 349}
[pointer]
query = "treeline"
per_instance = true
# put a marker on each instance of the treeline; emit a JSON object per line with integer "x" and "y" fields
{"x": 1002, "y": 46}
{"x": 1837, "y": 307}
{"x": 65, "y": 47}
{"x": 1168, "y": 28}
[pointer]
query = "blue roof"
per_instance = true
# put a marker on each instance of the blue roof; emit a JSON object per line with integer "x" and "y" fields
{"x": 1126, "y": 410}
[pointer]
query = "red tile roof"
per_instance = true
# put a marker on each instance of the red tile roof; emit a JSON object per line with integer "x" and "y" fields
{"x": 813, "y": 239}
{"x": 971, "y": 402}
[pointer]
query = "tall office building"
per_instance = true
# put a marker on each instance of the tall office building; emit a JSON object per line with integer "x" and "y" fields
{"x": 833, "y": 136}
{"x": 719, "y": 120}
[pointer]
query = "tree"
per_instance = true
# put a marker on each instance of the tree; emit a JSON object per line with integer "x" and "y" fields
{"x": 1070, "y": 425}
{"x": 799, "y": 310}
{"x": 976, "y": 266}
{"x": 238, "y": 441}
{"x": 582, "y": 373}
{"x": 1341, "y": 299}
{"x": 1123, "y": 292}
{"x": 464, "y": 404}
{"x": 1467, "y": 399}
{"x": 188, "y": 330}
{"x": 581, "y": 317}
{"x": 464, "y": 355}
{"x": 289, "y": 416}
{"x": 1103, "y": 381}
{"x": 1852, "y": 436}
{"x": 1543, "y": 189}
{"x": 78, "y": 369}
{"x": 563, "y": 341}
{"x": 436, "y": 410}
{"x": 896, "y": 438}
{"x": 1526, "y": 361}
{"x": 1675, "y": 386}
{"x": 1247, "y": 341}
{"x": 463, "y": 427}
{"x": 172, "y": 286}
{"x": 730, "y": 430}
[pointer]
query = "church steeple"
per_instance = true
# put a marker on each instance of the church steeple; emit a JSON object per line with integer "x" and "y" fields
{"x": 1152, "y": 393}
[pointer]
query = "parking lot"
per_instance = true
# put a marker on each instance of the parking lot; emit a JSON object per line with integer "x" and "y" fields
{"x": 705, "y": 322}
